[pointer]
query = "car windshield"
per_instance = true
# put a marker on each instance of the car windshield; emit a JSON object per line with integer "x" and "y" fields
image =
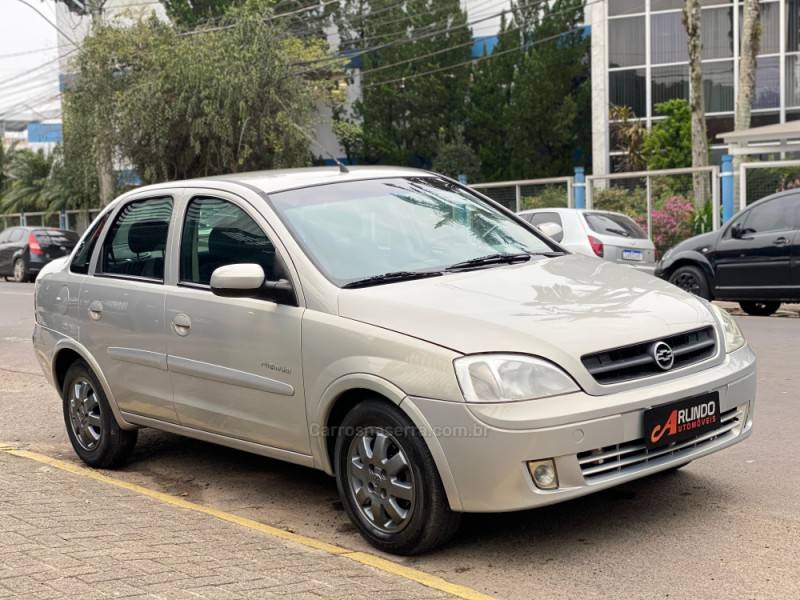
{"x": 360, "y": 229}
{"x": 613, "y": 224}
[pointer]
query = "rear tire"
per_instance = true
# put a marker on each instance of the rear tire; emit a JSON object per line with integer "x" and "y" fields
{"x": 20, "y": 270}
{"x": 691, "y": 279}
{"x": 388, "y": 482}
{"x": 760, "y": 309}
{"x": 92, "y": 429}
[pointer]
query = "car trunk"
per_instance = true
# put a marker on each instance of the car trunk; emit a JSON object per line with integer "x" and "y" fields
{"x": 623, "y": 240}
{"x": 55, "y": 243}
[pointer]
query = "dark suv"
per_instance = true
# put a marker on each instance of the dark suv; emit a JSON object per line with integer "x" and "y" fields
{"x": 754, "y": 259}
{"x": 25, "y": 250}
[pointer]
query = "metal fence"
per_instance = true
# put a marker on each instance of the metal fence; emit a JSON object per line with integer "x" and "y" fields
{"x": 760, "y": 179}
{"x": 77, "y": 220}
{"x": 524, "y": 194}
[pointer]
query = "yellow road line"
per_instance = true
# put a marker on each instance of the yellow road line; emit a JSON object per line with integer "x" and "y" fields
{"x": 388, "y": 566}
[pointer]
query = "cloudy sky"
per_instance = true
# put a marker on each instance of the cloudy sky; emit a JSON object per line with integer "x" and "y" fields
{"x": 29, "y": 56}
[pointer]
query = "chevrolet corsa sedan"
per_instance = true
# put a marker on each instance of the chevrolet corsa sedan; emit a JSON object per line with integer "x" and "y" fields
{"x": 424, "y": 345}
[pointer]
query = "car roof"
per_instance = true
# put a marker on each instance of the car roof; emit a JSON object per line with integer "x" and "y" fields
{"x": 561, "y": 209}
{"x": 286, "y": 179}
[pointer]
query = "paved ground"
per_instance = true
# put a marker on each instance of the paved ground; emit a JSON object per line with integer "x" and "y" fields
{"x": 62, "y": 535}
{"x": 726, "y": 526}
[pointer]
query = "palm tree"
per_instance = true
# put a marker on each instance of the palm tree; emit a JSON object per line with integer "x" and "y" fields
{"x": 630, "y": 133}
{"x": 27, "y": 173}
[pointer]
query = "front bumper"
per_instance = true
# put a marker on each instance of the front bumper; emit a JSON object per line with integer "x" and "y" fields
{"x": 486, "y": 447}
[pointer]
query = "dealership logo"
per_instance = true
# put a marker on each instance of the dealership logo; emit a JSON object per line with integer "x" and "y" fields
{"x": 682, "y": 420}
{"x": 663, "y": 355}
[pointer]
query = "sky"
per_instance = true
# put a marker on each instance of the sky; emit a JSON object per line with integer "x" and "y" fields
{"x": 29, "y": 56}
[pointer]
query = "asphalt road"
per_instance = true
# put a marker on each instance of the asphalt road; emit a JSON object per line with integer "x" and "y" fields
{"x": 726, "y": 526}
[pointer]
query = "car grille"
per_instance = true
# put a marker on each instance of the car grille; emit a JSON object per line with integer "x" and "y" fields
{"x": 622, "y": 458}
{"x": 637, "y": 360}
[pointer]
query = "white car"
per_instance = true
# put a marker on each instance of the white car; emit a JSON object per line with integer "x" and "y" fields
{"x": 609, "y": 235}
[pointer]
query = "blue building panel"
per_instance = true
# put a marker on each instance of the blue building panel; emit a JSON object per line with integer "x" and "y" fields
{"x": 483, "y": 45}
{"x": 40, "y": 133}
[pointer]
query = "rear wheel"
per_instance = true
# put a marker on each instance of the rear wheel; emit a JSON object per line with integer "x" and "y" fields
{"x": 20, "y": 270}
{"x": 388, "y": 482}
{"x": 760, "y": 309}
{"x": 92, "y": 429}
{"x": 691, "y": 279}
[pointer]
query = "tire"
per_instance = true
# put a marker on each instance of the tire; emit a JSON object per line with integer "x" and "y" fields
{"x": 691, "y": 279}
{"x": 20, "y": 270}
{"x": 92, "y": 429}
{"x": 418, "y": 521}
{"x": 760, "y": 309}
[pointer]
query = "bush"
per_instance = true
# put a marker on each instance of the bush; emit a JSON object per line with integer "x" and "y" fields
{"x": 551, "y": 196}
{"x": 631, "y": 202}
{"x": 672, "y": 224}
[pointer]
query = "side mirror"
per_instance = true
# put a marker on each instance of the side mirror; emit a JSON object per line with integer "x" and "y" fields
{"x": 551, "y": 230}
{"x": 247, "y": 280}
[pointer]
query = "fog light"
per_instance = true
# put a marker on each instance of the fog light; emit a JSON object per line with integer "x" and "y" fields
{"x": 544, "y": 473}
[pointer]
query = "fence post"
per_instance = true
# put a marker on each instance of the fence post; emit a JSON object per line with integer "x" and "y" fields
{"x": 580, "y": 188}
{"x": 727, "y": 187}
{"x": 23, "y": 221}
{"x": 517, "y": 198}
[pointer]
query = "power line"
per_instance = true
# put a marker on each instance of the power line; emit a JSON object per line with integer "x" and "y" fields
{"x": 24, "y": 52}
{"x": 46, "y": 18}
{"x": 29, "y": 72}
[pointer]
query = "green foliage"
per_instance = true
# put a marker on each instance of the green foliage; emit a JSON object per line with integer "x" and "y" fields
{"x": 668, "y": 144}
{"x": 455, "y": 158}
{"x": 551, "y": 196}
{"x": 630, "y": 134}
{"x": 631, "y": 202}
{"x": 702, "y": 218}
{"x": 176, "y": 107}
{"x": 189, "y": 14}
{"x": 27, "y": 174}
{"x": 400, "y": 121}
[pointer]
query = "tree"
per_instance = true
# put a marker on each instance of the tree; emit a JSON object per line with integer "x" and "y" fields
{"x": 27, "y": 174}
{"x": 190, "y": 14}
{"x": 750, "y": 42}
{"x": 400, "y": 120}
{"x": 692, "y": 22}
{"x": 668, "y": 144}
{"x": 455, "y": 158}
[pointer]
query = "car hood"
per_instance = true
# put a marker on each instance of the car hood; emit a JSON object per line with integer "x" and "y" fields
{"x": 558, "y": 308}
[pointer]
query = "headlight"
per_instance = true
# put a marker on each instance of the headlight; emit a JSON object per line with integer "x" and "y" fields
{"x": 733, "y": 335}
{"x": 510, "y": 377}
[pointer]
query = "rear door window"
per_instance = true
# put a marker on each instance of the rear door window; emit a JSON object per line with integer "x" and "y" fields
{"x": 537, "y": 219}
{"x": 136, "y": 243}
{"x": 612, "y": 224}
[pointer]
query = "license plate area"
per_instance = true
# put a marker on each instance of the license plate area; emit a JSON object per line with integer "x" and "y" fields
{"x": 681, "y": 421}
{"x": 635, "y": 255}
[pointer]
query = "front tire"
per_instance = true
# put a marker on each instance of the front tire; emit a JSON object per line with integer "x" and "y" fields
{"x": 388, "y": 482}
{"x": 92, "y": 429}
{"x": 691, "y": 279}
{"x": 760, "y": 309}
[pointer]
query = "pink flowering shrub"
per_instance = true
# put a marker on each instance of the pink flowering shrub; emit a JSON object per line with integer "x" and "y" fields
{"x": 672, "y": 223}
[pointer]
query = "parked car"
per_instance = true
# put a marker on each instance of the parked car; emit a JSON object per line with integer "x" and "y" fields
{"x": 25, "y": 250}
{"x": 752, "y": 260}
{"x": 424, "y": 345}
{"x": 608, "y": 235}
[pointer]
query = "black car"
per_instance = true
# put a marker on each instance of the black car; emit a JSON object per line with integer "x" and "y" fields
{"x": 25, "y": 250}
{"x": 754, "y": 259}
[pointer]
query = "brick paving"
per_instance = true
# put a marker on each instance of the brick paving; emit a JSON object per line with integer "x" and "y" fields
{"x": 65, "y": 536}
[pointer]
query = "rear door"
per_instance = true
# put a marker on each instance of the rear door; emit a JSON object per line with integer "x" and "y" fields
{"x": 758, "y": 264}
{"x": 5, "y": 251}
{"x": 121, "y": 308}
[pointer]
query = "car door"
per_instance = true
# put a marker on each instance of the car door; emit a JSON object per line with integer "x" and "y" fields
{"x": 5, "y": 252}
{"x": 121, "y": 308}
{"x": 235, "y": 363}
{"x": 756, "y": 261}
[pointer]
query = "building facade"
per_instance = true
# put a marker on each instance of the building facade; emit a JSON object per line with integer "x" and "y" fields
{"x": 639, "y": 59}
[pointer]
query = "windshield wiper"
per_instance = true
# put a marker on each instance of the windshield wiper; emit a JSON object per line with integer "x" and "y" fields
{"x": 621, "y": 232}
{"x": 490, "y": 259}
{"x": 392, "y": 277}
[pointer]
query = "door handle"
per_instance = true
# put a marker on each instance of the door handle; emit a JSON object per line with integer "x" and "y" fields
{"x": 182, "y": 324}
{"x": 781, "y": 241}
{"x": 95, "y": 310}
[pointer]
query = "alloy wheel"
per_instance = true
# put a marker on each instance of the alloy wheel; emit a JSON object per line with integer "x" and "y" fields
{"x": 84, "y": 414}
{"x": 687, "y": 282}
{"x": 380, "y": 480}
{"x": 19, "y": 270}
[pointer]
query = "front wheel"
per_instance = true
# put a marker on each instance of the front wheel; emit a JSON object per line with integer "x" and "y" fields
{"x": 760, "y": 309}
{"x": 691, "y": 279}
{"x": 92, "y": 429}
{"x": 388, "y": 482}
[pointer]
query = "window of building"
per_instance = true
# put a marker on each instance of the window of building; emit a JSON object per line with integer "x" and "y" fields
{"x": 218, "y": 233}
{"x": 793, "y": 115}
{"x": 668, "y": 40}
{"x": 792, "y": 25}
{"x": 717, "y": 33}
{"x": 718, "y": 125}
{"x": 656, "y": 5}
{"x": 136, "y": 243}
{"x": 767, "y": 93}
{"x": 793, "y": 80}
{"x": 627, "y": 88}
{"x": 625, "y": 7}
{"x": 669, "y": 83}
{"x": 718, "y": 86}
{"x": 626, "y": 42}
{"x": 759, "y": 119}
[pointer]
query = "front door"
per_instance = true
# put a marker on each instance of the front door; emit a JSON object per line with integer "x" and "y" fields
{"x": 121, "y": 308}
{"x": 234, "y": 363}
{"x": 756, "y": 262}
